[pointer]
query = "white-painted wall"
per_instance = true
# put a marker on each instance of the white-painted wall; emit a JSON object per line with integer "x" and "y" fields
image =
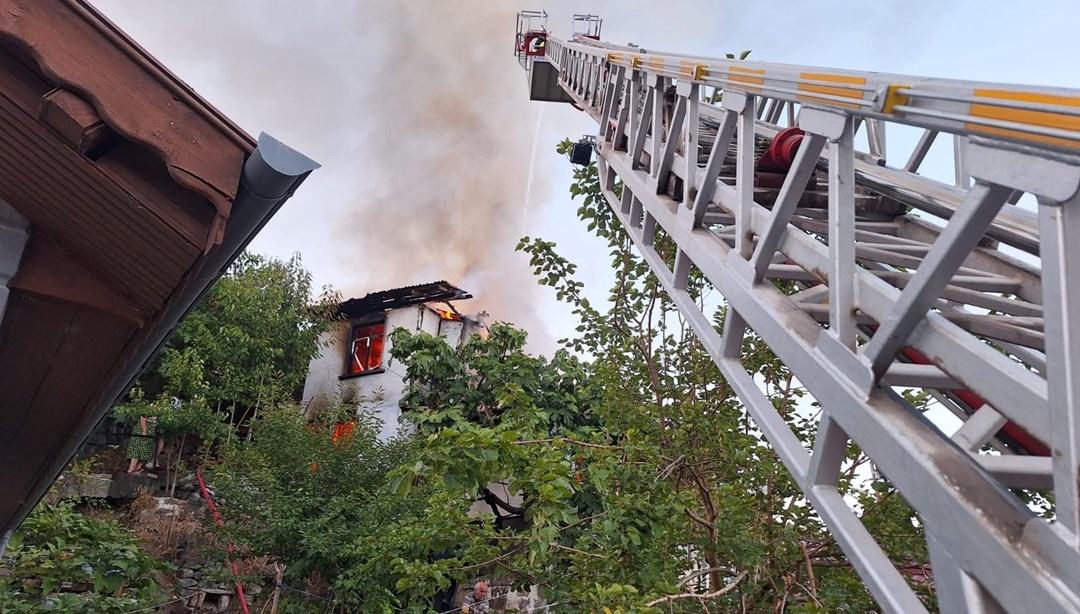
{"x": 451, "y": 330}
{"x": 382, "y": 391}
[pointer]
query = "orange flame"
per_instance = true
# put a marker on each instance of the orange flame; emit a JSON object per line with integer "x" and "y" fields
{"x": 446, "y": 314}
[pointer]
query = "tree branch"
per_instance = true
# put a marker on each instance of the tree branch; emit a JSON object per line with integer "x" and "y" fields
{"x": 576, "y": 551}
{"x": 701, "y": 572}
{"x": 809, "y": 570}
{"x": 699, "y": 519}
{"x": 493, "y": 500}
{"x": 504, "y": 555}
{"x": 575, "y": 442}
{"x": 727, "y": 589}
{"x": 667, "y": 470}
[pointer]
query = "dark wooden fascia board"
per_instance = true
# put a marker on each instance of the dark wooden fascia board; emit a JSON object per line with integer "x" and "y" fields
{"x": 175, "y": 84}
{"x": 78, "y": 50}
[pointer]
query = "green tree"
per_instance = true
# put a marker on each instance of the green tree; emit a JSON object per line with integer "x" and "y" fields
{"x": 248, "y": 344}
{"x": 580, "y": 510}
{"x": 321, "y": 504}
{"x": 250, "y": 341}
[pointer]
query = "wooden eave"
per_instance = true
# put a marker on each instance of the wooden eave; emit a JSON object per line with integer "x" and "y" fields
{"x": 127, "y": 179}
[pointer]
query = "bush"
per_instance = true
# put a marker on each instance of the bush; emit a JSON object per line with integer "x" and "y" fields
{"x": 64, "y": 561}
{"x": 321, "y": 506}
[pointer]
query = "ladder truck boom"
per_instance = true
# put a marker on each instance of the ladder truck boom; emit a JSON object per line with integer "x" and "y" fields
{"x": 900, "y": 282}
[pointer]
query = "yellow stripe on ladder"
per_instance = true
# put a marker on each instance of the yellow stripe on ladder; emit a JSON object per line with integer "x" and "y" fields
{"x": 1044, "y": 119}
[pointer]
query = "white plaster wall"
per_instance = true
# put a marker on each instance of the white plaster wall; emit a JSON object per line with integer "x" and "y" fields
{"x": 430, "y": 323}
{"x": 474, "y": 325}
{"x": 323, "y": 371}
{"x": 377, "y": 392}
{"x": 380, "y": 392}
{"x": 451, "y": 331}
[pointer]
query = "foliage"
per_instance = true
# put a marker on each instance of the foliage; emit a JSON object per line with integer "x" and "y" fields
{"x": 252, "y": 338}
{"x": 321, "y": 506}
{"x": 248, "y": 343}
{"x": 632, "y": 482}
{"x": 58, "y": 545}
{"x": 522, "y": 434}
{"x": 175, "y": 418}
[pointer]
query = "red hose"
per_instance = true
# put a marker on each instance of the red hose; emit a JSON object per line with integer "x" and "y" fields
{"x": 1025, "y": 440}
{"x": 975, "y": 402}
{"x": 220, "y": 523}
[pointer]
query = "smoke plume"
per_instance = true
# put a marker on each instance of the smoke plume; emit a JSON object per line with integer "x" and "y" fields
{"x": 417, "y": 111}
{"x": 449, "y": 155}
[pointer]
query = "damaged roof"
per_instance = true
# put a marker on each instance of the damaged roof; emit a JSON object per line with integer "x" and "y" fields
{"x": 125, "y": 196}
{"x": 385, "y": 300}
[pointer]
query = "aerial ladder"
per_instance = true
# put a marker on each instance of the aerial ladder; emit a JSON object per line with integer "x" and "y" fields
{"x": 892, "y": 282}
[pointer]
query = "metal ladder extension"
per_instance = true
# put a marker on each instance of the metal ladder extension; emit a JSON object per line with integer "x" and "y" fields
{"x": 975, "y": 299}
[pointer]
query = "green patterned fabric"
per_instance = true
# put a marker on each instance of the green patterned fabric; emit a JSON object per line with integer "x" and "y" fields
{"x": 142, "y": 446}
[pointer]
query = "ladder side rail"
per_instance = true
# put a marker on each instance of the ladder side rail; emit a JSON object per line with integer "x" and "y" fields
{"x": 998, "y": 379}
{"x": 1040, "y": 117}
{"x": 1014, "y": 226}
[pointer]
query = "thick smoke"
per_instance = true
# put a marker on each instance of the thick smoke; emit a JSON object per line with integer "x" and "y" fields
{"x": 449, "y": 155}
{"x": 418, "y": 113}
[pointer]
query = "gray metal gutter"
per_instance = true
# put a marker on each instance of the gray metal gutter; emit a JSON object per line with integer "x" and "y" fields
{"x": 271, "y": 174}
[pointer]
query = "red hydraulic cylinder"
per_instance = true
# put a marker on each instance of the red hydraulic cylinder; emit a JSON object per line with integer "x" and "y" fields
{"x": 780, "y": 155}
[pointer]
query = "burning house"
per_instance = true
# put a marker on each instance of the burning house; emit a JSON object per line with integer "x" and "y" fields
{"x": 355, "y": 362}
{"x": 355, "y": 367}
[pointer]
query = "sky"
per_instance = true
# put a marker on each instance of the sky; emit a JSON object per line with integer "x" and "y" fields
{"x": 434, "y": 162}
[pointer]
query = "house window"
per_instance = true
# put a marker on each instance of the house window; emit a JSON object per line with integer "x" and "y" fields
{"x": 366, "y": 348}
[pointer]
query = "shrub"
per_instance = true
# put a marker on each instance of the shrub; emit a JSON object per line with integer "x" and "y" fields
{"x": 63, "y": 561}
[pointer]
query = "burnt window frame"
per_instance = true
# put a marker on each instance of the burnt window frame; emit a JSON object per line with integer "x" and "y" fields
{"x": 354, "y": 325}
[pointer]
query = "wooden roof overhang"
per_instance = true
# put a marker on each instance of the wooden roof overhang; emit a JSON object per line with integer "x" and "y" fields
{"x": 125, "y": 197}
